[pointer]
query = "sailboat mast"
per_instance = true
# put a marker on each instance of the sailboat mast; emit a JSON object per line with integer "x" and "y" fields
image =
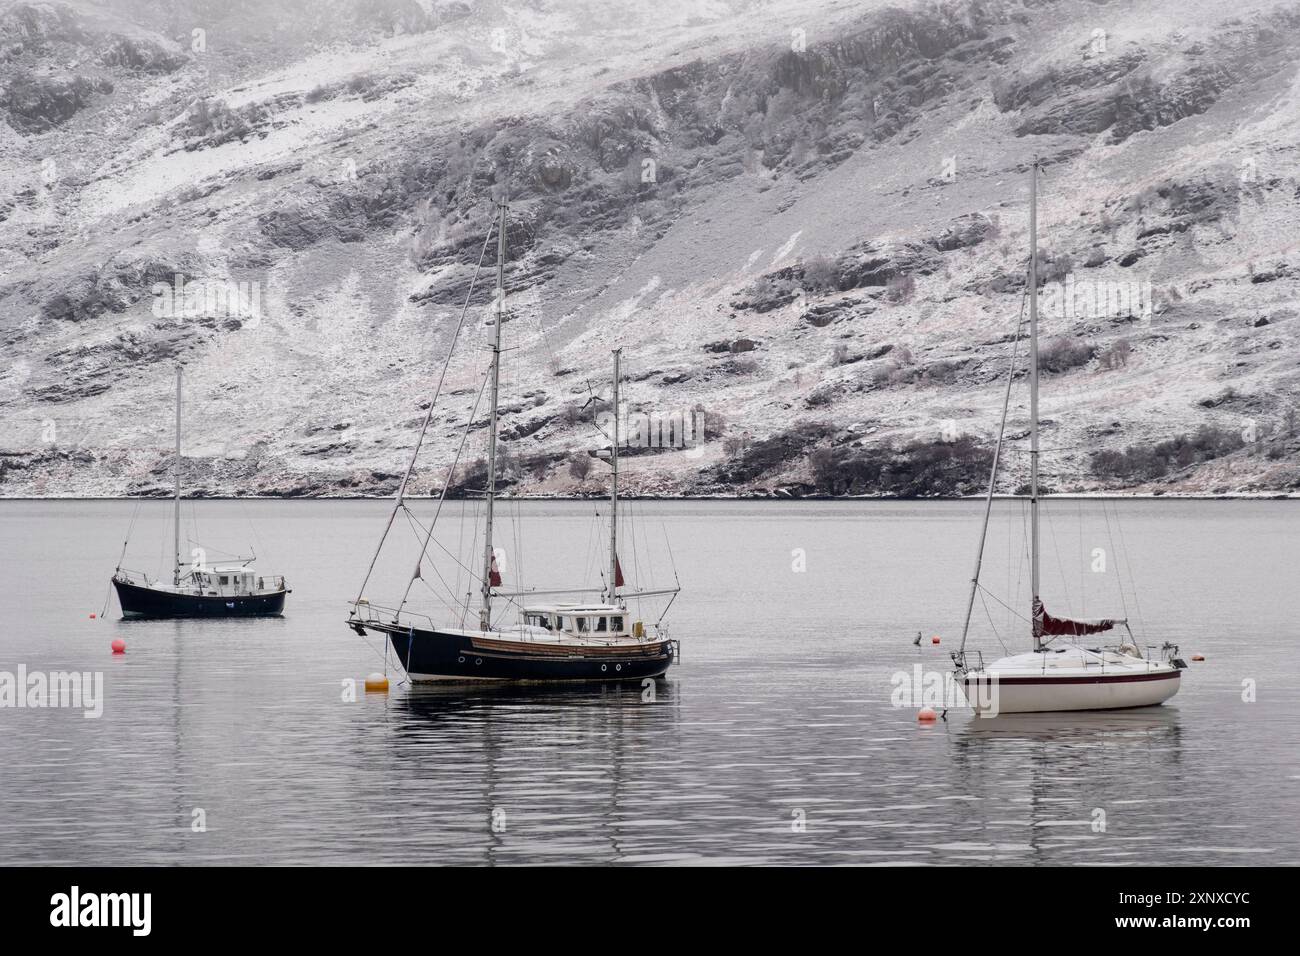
{"x": 485, "y": 615}
{"x": 1033, "y": 395}
{"x": 176, "y": 568}
{"x": 613, "y": 494}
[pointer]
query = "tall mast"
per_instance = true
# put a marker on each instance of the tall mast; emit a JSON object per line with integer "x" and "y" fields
{"x": 176, "y": 569}
{"x": 485, "y": 615}
{"x": 613, "y": 494}
{"x": 1033, "y": 395}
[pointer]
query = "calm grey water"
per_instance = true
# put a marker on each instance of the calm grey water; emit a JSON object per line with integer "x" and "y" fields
{"x": 774, "y": 741}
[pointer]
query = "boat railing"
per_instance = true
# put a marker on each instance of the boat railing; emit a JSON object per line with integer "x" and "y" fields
{"x": 368, "y": 613}
{"x": 133, "y": 577}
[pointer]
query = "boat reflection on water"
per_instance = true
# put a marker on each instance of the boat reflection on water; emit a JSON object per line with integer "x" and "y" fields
{"x": 1066, "y": 727}
{"x": 1056, "y": 788}
{"x": 431, "y": 701}
{"x": 543, "y": 772}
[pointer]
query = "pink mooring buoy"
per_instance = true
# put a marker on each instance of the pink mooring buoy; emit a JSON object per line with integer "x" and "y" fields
{"x": 935, "y": 639}
{"x": 119, "y": 646}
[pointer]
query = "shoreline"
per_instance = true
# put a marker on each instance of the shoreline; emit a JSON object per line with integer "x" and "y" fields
{"x": 1079, "y": 496}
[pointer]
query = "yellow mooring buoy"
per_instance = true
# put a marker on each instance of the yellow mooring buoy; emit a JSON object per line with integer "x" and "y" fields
{"x": 377, "y": 682}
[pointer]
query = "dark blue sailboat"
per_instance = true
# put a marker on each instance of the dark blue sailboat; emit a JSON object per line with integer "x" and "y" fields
{"x": 223, "y": 590}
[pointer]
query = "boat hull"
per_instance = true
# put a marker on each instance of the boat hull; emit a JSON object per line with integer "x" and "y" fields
{"x": 990, "y": 695}
{"x": 435, "y": 655}
{"x": 139, "y": 601}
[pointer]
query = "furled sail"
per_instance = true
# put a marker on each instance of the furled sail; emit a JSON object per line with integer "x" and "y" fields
{"x": 1045, "y": 624}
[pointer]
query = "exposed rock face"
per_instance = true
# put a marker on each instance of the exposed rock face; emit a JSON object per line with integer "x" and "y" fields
{"x": 805, "y": 223}
{"x": 38, "y": 103}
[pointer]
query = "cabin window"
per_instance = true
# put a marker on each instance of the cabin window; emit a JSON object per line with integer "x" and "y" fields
{"x": 225, "y": 579}
{"x": 616, "y": 625}
{"x": 560, "y": 623}
{"x": 600, "y": 623}
{"x": 583, "y": 624}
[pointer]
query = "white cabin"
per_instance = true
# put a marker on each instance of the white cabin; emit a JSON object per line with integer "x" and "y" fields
{"x": 221, "y": 580}
{"x": 582, "y": 620}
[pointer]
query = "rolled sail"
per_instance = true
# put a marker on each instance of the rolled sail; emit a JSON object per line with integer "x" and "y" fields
{"x": 1046, "y": 625}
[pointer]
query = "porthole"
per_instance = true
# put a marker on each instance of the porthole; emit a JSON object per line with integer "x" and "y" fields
{"x": 460, "y": 660}
{"x": 604, "y": 667}
{"x": 478, "y": 660}
{"x": 618, "y": 667}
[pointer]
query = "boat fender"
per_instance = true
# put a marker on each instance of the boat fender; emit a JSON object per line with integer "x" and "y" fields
{"x": 638, "y": 630}
{"x": 377, "y": 683}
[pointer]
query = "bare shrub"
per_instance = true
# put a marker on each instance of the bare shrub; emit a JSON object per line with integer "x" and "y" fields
{"x": 580, "y": 466}
{"x": 900, "y": 288}
{"x": 1117, "y": 355}
{"x": 1063, "y": 354}
{"x": 821, "y": 274}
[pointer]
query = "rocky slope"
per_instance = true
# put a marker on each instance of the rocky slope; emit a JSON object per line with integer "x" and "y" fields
{"x": 804, "y": 221}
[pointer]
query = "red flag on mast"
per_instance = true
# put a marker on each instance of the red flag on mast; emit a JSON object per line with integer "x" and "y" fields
{"x": 494, "y": 576}
{"x": 618, "y": 573}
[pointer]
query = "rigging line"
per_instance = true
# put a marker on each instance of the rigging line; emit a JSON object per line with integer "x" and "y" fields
{"x": 430, "y": 588}
{"x": 1110, "y": 539}
{"x": 996, "y": 636}
{"x": 1060, "y": 565}
{"x": 411, "y": 520}
{"x": 671, "y": 560}
{"x": 1128, "y": 563}
{"x": 108, "y": 596}
{"x": 442, "y": 497}
{"x": 985, "y": 590}
{"x": 993, "y": 477}
{"x": 1083, "y": 588}
{"x": 429, "y": 539}
{"x": 428, "y": 416}
{"x": 1137, "y": 604}
{"x": 130, "y": 528}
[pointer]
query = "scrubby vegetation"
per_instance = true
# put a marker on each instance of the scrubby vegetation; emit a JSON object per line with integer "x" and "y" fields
{"x": 580, "y": 466}
{"x": 1116, "y": 356}
{"x": 1148, "y": 462}
{"x": 917, "y": 469}
{"x": 1063, "y": 354}
{"x": 761, "y": 457}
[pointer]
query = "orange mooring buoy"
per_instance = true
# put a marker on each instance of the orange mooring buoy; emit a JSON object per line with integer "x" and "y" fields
{"x": 377, "y": 682}
{"x": 926, "y": 715}
{"x": 119, "y": 646}
{"x": 1198, "y": 657}
{"x": 92, "y": 617}
{"x": 935, "y": 639}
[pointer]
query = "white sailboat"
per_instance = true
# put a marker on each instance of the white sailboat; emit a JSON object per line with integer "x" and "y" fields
{"x": 1050, "y": 678}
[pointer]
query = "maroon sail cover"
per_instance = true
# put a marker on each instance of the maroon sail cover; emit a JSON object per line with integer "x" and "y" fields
{"x": 618, "y": 573}
{"x": 1045, "y": 624}
{"x": 494, "y": 576}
